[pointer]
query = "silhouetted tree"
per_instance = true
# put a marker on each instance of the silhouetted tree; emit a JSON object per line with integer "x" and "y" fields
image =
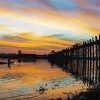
{"x": 52, "y": 52}
{"x": 19, "y": 52}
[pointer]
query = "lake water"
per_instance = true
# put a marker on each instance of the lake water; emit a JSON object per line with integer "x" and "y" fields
{"x": 37, "y": 80}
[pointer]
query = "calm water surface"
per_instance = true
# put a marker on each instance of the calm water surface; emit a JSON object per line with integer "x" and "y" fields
{"x": 36, "y": 81}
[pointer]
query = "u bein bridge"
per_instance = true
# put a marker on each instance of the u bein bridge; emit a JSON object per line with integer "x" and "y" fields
{"x": 81, "y": 59}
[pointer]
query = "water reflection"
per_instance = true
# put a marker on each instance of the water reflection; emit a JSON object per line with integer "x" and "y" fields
{"x": 36, "y": 80}
{"x": 88, "y": 76}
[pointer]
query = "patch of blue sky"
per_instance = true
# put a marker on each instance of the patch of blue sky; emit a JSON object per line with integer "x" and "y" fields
{"x": 64, "y": 34}
{"x": 71, "y": 35}
{"x": 75, "y": 36}
{"x": 64, "y": 4}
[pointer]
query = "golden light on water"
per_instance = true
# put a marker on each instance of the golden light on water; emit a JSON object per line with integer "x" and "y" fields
{"x": 24, "y": 79}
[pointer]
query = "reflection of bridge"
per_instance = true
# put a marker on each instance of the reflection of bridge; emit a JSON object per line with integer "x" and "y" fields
{"x": 82, "y": 59}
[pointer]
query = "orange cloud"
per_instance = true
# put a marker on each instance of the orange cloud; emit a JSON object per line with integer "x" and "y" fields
{"x": 30, "y": 44}
{"x": 50, "y": 19}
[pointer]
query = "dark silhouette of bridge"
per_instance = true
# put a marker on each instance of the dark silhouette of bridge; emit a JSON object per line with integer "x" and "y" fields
{"x": 81, "y": 59}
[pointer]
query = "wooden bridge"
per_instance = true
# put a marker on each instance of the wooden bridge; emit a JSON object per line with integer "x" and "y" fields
{"x": 82, "y": 59}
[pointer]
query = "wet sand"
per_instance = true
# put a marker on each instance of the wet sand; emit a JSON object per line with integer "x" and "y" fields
{"x": 90, "y": 94}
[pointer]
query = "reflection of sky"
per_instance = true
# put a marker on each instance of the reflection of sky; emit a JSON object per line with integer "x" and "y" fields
{"x": 42, "y": 22}
{"x": 22, "y": 79}
{"x": 26, "y": 78}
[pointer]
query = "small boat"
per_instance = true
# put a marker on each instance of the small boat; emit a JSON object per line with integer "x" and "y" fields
{"x": 3, "y": 62}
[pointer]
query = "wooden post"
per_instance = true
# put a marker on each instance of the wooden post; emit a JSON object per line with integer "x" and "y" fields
{"x": 99, "y": 59}
{"x": 90, "y": 58}
{"x": 93, "y": 59}
{"x": 96, "y": 58}
{"x": 83, "y": 60}
{"x": 77, "y": 57}
{"x": 99, "y": 51}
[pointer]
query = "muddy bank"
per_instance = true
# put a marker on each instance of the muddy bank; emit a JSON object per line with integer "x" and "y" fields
{"x": 90, "y": 94}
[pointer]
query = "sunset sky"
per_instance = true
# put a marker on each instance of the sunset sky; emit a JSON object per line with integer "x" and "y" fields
{"x": 39, "y": 26}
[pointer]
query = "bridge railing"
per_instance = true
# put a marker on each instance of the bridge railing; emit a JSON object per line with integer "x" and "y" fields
{"x": 82, "y": 58}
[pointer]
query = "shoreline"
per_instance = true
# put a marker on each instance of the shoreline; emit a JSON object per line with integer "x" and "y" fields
{"x": 90, "y": 94}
